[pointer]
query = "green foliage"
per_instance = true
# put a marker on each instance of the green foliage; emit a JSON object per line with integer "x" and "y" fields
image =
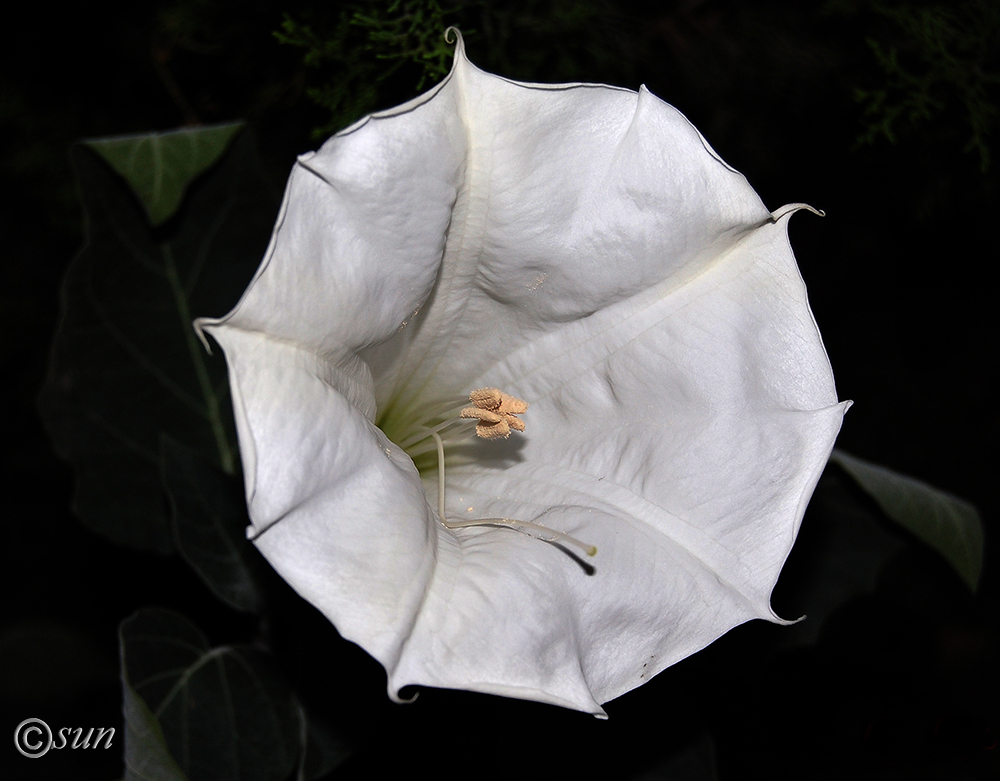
{"x": 126, "y": 364}
{"x": 949, "y": 525}
{"x": 365, "y": 47}
{"x": 160, "y": 166}
{"x": 196, "y": 712}
{"x": 936, "y": 59}
{"x": 209, "y": 520}
{"x": 414, "y": 35}
{"x": 147, "y": 757}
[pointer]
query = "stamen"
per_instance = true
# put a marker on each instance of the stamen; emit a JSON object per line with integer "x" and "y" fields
{"x": 494, "y": 414}
{"x": 493, "y": 409}
{"x": 424, "y": 433}
{"x": 439, "y": 408}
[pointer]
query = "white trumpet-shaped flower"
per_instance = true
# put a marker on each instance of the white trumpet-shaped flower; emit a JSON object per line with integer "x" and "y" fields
{"x": 581, "y": 251}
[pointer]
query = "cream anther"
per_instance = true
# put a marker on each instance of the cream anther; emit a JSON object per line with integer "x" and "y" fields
{"x": 496, "y": 413}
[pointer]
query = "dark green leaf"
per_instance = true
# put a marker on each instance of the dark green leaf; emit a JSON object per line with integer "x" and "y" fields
{"x": 223, "y": 713}
{"x": 146, "y": 755}
{"x": 126, "y": 364}
{"x": 160, "y": 166}
{"x": 209, "y": 517}
{"x": 948, "y": 524}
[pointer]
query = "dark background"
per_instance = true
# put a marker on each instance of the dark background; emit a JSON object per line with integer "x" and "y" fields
{"x": 900, "y": 681}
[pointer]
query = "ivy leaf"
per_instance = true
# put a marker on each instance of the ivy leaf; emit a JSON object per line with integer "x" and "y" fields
{"x": 160, "y": 166}
{"x": 126, "y": 364}
{"x": 948, "y": 524}
{"x": 209, "y": 518}
{"x": 222, "y": 713}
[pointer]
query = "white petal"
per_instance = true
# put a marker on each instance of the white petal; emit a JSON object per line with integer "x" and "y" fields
{"x": 337, "y": 509}
{"x": 358, "y": 242}
{"x": 575, "y": 197}
{"x": 582, "y": 248}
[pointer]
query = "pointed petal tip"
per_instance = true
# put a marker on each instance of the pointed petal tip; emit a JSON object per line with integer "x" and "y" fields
{"x": 791, "y": 208}
{"x": 774, "y": 618}
{"x": 199, "y": 325}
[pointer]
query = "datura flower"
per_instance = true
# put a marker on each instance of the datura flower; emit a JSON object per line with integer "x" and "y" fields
{"x": 505, "y": 327}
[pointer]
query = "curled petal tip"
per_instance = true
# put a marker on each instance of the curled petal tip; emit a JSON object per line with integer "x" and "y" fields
{"x": 454, "y": 35}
